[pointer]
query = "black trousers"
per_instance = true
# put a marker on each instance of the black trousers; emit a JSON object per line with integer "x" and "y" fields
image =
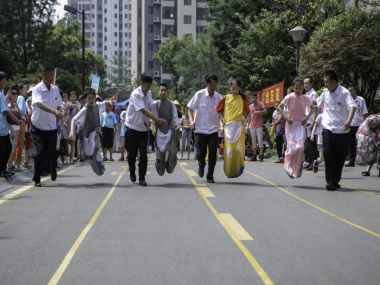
{"x": 335, "y": 148}
{"x": 5, "y": 151}
{"x": 46, "y": 151}
{"x": 279, "y": 145}
{"x": 137, "y": 142}
{"x": 311, "y": 150}
{"x": 352, "y": 143}
{"x": 202, "y": 142}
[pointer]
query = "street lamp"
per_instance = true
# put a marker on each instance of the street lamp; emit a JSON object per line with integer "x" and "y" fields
{"x": 298, "y": 35}
{"x": 74, "y": 10}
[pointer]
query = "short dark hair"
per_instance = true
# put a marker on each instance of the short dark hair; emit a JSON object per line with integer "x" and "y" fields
{"x": 297, "y": 80}
{"x": 164, "y": 85}
{"x": 331, "y": 74}
{"x": 146, "y": 78}
{"x": 71, "y": 91}
{"x": 211, "y": 77}
{"x": 309, "y": 77}
{"x": 3, "y": 75}
{"x": 88, "y": 91}
{"x": 21, "y": 85}
{"x": 48, "y": 68}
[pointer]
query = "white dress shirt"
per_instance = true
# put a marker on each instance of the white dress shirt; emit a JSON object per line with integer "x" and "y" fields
{"x": 361, "y": 111}
{"x": 336, "y": 107}
{"x": 312, "y": 95}
{"x": 40, "y": 119}
{"x": 207, "y": 120}
{"x": 135, "y": 119}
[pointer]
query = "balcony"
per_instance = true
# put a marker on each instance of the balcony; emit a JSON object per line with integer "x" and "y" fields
{"x": 156, "y": 73}
{"x": 157, "y": 2}
{"x": 157, "y": 37}
{"x": 157, "y": 20}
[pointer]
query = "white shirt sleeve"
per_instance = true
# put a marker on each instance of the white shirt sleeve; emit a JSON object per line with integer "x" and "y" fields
{"x": 193, "y": 104}
{"x": 80, "y": 117}
{"x": 138, "y": 102}
{"x": 364, "y": 107}
{"x": 36, "y": 97}
{"x": 321, "y": 100}
{"x": 348, "y": 100}
{"x": 102, "y": 107}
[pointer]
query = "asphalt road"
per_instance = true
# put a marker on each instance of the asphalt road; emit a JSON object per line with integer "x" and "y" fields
{"x": 262, "y": 228}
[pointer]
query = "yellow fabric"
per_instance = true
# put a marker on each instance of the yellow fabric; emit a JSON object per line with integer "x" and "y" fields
{"x": 234, "y": 155}
{"x": 233, "y": 108}
{"x": 234, "y": 151}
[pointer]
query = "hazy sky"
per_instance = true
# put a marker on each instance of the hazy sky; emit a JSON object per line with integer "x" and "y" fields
{"x": 59, "y": 8}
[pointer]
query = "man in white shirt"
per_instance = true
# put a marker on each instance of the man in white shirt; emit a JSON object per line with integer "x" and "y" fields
{"x": 46, "y": 102}
{"x": 311, "y": 151}
{"x": 206, "y": 125}
{"x": 137, "y": 127}
{"x": 359, "y": 117}
{"x": 338, "y": 112}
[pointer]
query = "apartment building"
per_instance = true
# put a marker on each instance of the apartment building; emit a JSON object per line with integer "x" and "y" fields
{"x": 153, "y": 21}
{"x": 108, "y": 31}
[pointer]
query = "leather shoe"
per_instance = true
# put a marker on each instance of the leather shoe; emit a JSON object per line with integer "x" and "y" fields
{"x": 210, "y": 180}
{"x": 331, "y": 187}
{"x": 37, "y": 184}
{"x": 53, "y": 174}
{"x": 201, "y": 171}
{"x": 143, "y": 183}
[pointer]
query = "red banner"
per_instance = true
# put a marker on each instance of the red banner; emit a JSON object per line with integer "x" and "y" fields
{"x": 270, "y": 95}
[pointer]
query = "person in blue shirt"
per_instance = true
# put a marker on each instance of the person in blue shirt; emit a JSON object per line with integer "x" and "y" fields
{"x": 123, "y": 129}
{"x": 5, "y": 142}
{"x": 108, "y": 123}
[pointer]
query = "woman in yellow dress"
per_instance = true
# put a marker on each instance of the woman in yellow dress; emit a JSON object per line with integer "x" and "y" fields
{"x": 233, "y": 108}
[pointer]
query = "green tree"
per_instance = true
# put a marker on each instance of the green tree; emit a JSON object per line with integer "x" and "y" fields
{"x": 350, "y": 44}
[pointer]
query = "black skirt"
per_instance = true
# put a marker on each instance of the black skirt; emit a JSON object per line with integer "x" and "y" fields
{"x": 107, "y": 137}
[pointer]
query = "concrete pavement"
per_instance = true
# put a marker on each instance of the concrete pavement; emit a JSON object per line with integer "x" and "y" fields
{"x": 262, "y": 228}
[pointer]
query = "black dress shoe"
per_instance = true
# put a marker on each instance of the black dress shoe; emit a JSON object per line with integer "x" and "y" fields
{"x": 201, "y": 171}
{"x": 37, "y": 184}
{"x": 210, "y": 180}
{"x": 53, "y": 175}
{"x": 331, "y": 187}
{"x": 132, "y": 176}
{"x": 143, "y": 183}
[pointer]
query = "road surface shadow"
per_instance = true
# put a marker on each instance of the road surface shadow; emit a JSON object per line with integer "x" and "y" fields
{"x": 73, "y": 186}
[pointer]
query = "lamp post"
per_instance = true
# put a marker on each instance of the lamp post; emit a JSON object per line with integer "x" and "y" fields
{"x": 298, "y": 35}
{"x": 74, "y": 10}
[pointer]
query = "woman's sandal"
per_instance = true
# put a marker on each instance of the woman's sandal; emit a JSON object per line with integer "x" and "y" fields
{"x": 366, "y": 173}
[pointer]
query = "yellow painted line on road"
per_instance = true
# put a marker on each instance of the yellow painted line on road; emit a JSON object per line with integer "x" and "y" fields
{"x": 236, "y": 228}
{"x": 331, "y": 214}
{"x": 70, "y": 254}
{"x": 184, "y": 163}
{"x": 148, "y": 173}
{"x": 205, "y": 191}
{"x": 16, "y": 193}
{"x": 191, "y": 172}
{"x": 245, "y": 251}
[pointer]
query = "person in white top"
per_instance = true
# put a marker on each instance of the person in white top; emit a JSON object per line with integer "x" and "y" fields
{"x": 137, "y": 127}
{"x": 206, "y": 125}
{"x": 311, "y": 151}
{"x": 338, "y": 112}
{"x": 359, "y": 117}
{"x": 46, "y": 102}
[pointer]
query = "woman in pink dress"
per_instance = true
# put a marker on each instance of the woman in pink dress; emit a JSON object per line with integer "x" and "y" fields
{"x": 295, "y": 130}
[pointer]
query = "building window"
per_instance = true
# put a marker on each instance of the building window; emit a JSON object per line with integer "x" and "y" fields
{"x": 187, "y": 2}
{"x": 105, "y": 10}
{"x": 150, "y": 10}
{"x": 93, "y": 43}
{"x": 168, "y": 30}
{"x": 105, "y": 39}
{"x": 115, "y": 6}
{"x": 150, "y": 29}
{"x": 115, "y": 16}
{"x": 168, "y": 12}
{"x": 115, "y": 25}
{"x": 115, "y": 34}
{"x": 150, "y": 64}
{"x": 100, "y": 44}
{"x": 93, "y": 16}
{"x": 150, "y": 46}
{"x": 93, "y": 34}
{"x": 105, "y": 56}
{"x": 115, "y": 53}
{"x": 93, "y": 6}
{"x": 115, "y": 44}
{"x": 105, "y": 20}
{"x": 93, "y": 25}
{"x": 105, "y": 47}
{"x": 187, "y": 19}
{"x": 105, "y": 29}
{"x": 202, "y": 14}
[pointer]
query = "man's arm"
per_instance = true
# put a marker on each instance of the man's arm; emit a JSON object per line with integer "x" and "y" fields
{"x": 163, "y": 123}
{"x": 46, "y": 108}
{"x": 347, "y": 124}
